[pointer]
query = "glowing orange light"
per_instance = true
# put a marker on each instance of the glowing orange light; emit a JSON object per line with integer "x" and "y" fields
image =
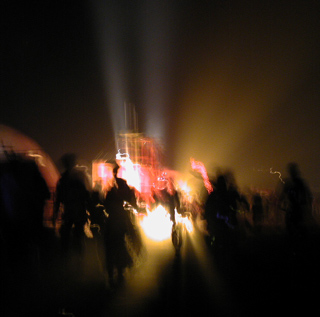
{"x": 101, "y": 171}
{"x": 184, "y": 187}
{"x": 130, "y": 172}
{"x": 101, "y": 174}
{"x": 157, "y": 224}
{"x": 185, "y": 221}
{"x": 185, "y": 190}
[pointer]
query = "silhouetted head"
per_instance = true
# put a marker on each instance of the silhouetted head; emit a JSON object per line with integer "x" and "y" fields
{"x": 257, "y": 199}
{"x": 221, "y": 183}
{"x": 115, "y": 169}
{"x": 293, "y": 170}
{"x": 69, "y": 160}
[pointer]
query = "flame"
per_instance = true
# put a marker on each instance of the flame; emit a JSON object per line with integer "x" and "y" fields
{"x": 157, "y": 224}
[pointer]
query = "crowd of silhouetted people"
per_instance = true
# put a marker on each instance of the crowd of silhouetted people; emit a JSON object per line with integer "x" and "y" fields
{"x": 225, "y": 205}
{"x": 82, "y": 206}
{"x": 108, "y": 215}
{"x": 79, "y": 205}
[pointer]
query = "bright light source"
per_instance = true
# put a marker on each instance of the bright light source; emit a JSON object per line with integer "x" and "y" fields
{"x": 185, "y": 221}
{"x": 129, "y": 171}
{"x": 157, "y": 224}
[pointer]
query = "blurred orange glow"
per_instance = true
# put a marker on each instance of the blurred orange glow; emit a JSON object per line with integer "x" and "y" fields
{"x": 185, "y": 190}
{"x": 102, "y": 174}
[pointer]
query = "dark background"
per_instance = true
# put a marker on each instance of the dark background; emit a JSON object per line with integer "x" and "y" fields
{"x": 234, "y": 84}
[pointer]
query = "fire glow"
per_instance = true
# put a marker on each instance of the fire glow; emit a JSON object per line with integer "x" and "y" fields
{"x": 129, "y": 171}
{"x": 157, "y": 225}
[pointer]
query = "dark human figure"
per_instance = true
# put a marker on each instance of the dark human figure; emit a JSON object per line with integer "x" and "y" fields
{"x": 73, "y": 193}
{"x": 295, "y": 199}
{"x": 216, "y": 212}
{"x": 171, "y": 202}
{"x": 118, "y": 226}
{"x": 220, "y": 212}
{"x": 23, "y": 192}
{"x": 237, "y": 201}
{"x": 257, "y": 212}
{"x": 168, "y": 197}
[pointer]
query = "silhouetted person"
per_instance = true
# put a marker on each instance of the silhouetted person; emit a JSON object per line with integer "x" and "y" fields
{"x": 171, "y": 202}
{"x": 257, "y": 211}
{"x": 118, "y": 225}
{"x": 23, "y": 192}
{"x": 295, "y": 199}
{"x": 217, "y": 211}
{"x": 221, "y": 210}
{"x": 73, "y": 193}
{"x": 237, "y": 200}
{"x": 168, "y": 197}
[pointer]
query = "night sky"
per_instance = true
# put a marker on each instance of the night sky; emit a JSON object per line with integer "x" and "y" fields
{"x": 234, "y": 84}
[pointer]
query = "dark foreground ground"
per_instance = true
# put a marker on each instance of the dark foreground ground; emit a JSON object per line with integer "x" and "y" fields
{"x": 264, "y": 274}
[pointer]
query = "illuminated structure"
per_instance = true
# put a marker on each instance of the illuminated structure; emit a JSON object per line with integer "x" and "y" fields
{"x": 139, "y": 158}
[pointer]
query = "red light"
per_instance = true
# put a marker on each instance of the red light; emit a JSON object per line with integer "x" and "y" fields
{"x": 199, "y": 167}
